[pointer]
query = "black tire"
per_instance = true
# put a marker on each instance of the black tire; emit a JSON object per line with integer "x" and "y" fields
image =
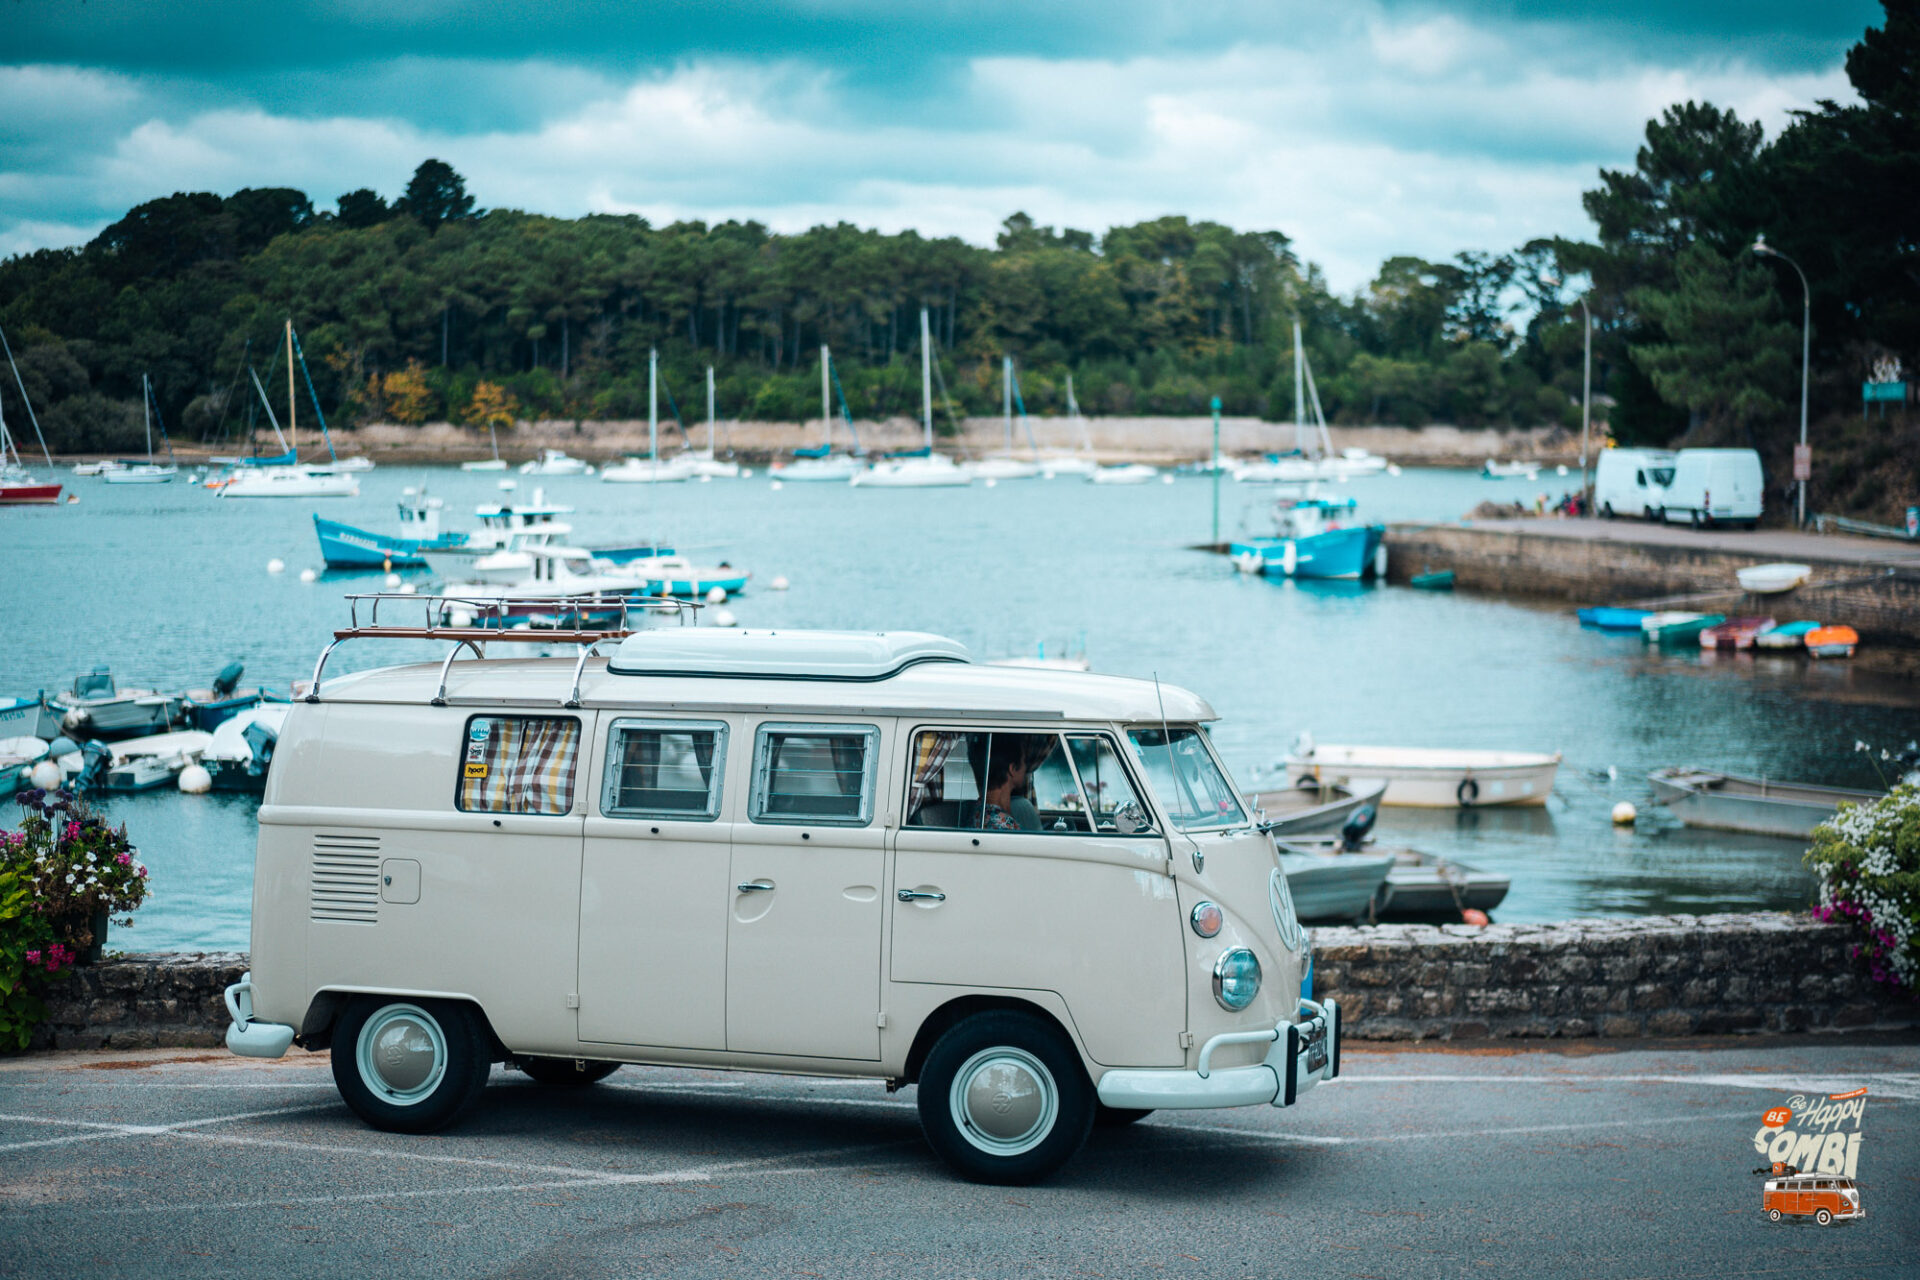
{"x": 1606, "y": 511}
{"x": 566, "y": 1073}
{"x": 1467, "y": 793}
{"x": 1023, "y": 1069}
{"x": 1693, "y": 518}
{"x": 1106, "y": 1117}
{"x": 1824, "y": 1218}
{"x": 437, "y": 1051}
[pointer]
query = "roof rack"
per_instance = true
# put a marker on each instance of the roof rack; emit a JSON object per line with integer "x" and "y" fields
{"x": 472, "y": 623}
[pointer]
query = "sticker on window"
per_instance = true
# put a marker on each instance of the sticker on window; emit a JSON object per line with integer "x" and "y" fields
{"x": 519, "y": 765}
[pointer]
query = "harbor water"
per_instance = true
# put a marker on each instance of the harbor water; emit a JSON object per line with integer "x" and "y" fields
{"x": 165, "y": 584}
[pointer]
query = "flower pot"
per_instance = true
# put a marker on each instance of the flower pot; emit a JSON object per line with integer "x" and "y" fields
{"x": 94, "y": 950}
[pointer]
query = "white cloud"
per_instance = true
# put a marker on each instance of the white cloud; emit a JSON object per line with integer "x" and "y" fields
{"x": 1425, "y": 137}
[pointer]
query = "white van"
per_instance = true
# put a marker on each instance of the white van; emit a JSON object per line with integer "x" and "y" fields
{"x": 1715, "y": 486}
{"x": 1035, "y": 894}
{"x": 1632, "y": 482}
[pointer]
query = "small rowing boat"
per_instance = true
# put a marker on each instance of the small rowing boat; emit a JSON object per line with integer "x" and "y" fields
{"x": 1310, "y": 805}
{"x": 1832, "y": 642}
{"x": 1734, "y": 633}
{"x": 1787, "y": 635}
{"x": 1674, "y": 627}
{"x": 1429, "y": 777}
{"x": 1730, "y": 802}
{"x": 1771, "y": 579}
{"x": 1417, "y": 887}
{"x": 1609, "y": 619}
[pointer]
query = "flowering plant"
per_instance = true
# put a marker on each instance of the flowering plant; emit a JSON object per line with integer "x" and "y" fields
{"x": 76, "y": 866}
{"x": 1868, "y": 859}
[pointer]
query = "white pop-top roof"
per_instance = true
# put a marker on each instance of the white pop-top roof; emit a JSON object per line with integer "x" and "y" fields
{"x": 789, "y": 655}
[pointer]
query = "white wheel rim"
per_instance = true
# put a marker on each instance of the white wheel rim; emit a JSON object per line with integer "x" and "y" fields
{"x": 401, "y": 1054}
{"x": 1004, "y": 1101}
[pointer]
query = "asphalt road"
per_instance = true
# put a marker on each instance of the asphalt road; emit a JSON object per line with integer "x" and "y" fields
{"x": 1416, "y": 1163}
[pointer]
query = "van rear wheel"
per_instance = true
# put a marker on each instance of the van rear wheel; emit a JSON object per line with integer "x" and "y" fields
{"x": 1003, "y": 1098}
{"x": 409, "y": 1066}
{"x": 566, "y": 1073}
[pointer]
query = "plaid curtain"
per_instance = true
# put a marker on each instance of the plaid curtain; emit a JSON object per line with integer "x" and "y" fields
{"x": 525, "y": 766}
{"x": 930, "y": 754}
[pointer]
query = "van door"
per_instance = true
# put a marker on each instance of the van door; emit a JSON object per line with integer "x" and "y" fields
{"x": 803, "y": 926}
{"x": 1027, "y": 861}
{"x": 654, "y": 888}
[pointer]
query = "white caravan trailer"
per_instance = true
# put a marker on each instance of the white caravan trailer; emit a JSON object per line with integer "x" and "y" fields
{"x": 1034, "y": 894}
{"x": 1632, "y": 482}
{"x": 1715, "y": 486}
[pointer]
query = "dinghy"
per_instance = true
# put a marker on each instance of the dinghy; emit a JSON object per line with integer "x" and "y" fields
{"x": 1735, "y": 633}
{"x": 1677, "y": 627}
{"x": 1832, "y": 642}
{"x": 1730, "y": 802}
{"x": 1418, "y": 887}
{"x": 555, "y": 462}
{"x": 1788, "y": 635}
{"x": 1329, "y": 886}
{"x": 1309, "y": 806}
{"x": 140, "y": 764}
{"x": 1609, "y": 619}
{"x": 242, "y": 748}
{"x": 1495, "y": 470}
{"x": 17, "y": 758}
{"x": 1770, "y": 579}
{"x": 1429, "y": 777}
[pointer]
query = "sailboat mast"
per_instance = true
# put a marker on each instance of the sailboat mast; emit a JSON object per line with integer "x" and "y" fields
{"x": 146, "y": 412}
{"x": 826, "y": 415}
{"x": 293, "y": 405}
{"x": 1006, "y": 398}
{"x": 926, "y": 379}
{"x": 709, "y": 410}
{"x": 1299, "y": 390}
{"x": 653, "y": 404}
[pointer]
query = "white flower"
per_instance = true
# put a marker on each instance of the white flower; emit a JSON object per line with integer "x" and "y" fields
{"x": 69, "y": 879}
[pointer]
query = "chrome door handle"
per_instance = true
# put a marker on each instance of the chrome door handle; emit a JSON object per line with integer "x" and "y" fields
{"x": 750, "y": 887}
{"x": 917, "y": 895}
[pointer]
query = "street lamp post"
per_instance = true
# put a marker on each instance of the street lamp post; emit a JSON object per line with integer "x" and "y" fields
{"x": 1586, "y": 388}
{"x": 1761, "y": 246}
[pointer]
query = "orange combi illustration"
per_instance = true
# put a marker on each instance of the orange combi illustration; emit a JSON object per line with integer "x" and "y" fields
{"x": 1827, "y": 1194}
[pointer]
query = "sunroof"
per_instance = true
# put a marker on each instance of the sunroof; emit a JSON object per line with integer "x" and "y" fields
{"x": 784, "y": 655}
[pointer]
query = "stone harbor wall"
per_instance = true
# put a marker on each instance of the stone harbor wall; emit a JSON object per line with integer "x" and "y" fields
{"x": 1644, "y": 976}
{"x": 1649, "y": 976}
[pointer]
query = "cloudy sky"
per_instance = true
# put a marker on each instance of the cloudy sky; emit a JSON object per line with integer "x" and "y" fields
{"x": 1362, "y": 130}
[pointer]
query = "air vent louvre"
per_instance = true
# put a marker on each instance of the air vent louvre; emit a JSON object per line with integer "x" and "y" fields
{"x": 344, "y": 879}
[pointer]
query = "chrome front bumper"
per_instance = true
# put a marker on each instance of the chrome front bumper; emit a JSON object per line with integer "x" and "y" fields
{"x": 248, "y": 1038}
{"x": 1305, "y": 1053}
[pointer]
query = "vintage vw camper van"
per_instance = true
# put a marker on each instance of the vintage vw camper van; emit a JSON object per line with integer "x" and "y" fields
{"x": 1035, "y": 894}
{"x": 1811, "y": 1195}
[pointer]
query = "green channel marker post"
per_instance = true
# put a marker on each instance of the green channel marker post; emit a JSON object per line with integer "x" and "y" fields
{"x": 1216, "y": 471}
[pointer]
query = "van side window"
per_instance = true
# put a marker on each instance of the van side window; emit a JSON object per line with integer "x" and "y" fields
{"x": 664, "y": 769}
{"x": 518, "y": 764}
{"x": 1111, "y": 799}
{"x": 813, "y": 774}
{"x": 1012, "y": 782}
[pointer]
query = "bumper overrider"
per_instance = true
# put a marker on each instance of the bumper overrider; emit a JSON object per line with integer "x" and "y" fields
{"x": 1305, "y": 1052}
{"x": 247, "y": 1037}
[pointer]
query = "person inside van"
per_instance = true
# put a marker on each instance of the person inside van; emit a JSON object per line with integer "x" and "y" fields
{"x": 1010, "y": 766}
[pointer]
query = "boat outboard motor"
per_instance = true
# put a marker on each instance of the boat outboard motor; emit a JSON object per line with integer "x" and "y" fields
{"x": 260, "y": 742}
{"x": 228, "y": 680}
{"x": 96, "y": 757}
{"x": 1359, "y": 823}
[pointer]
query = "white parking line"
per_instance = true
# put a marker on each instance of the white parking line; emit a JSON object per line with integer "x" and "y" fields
{"x": 1330, "y": 1140}
{"x": 110, "y": 1130}
{"x": 1901, "y": 1085}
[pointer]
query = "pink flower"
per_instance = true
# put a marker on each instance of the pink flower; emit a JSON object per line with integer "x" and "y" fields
{"x": 143, "y": 873}
{"x": 33, "y": 957}
{"x": 124, "y": 859}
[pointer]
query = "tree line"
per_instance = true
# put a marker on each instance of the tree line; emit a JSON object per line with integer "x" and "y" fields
{"x": 427, "y": 308}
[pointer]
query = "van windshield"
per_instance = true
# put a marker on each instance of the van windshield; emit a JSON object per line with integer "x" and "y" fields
{"x": 1197, "y": 795}
{"x": 1662, "y": 476}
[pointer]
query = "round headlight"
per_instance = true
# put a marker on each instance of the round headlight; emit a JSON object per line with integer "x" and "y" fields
{"x": 1206, "y": 919}
{"x": 1236, "y": 979}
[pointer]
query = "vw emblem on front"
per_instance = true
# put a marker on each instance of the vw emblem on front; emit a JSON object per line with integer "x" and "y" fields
{"x": 1280, "y": 898}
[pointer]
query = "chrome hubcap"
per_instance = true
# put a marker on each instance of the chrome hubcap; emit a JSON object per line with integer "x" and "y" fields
{"x": 402, "y": 1054}
{"x": 1004, "y": 1101}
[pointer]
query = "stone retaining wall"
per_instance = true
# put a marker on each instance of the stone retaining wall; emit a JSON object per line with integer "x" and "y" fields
{"x": 1654, "y": 976}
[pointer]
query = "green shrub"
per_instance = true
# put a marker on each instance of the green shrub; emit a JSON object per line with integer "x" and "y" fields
{"x": 1868, "y": 859}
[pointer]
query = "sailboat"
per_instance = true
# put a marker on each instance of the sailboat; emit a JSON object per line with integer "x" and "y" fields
{"x": 923, "y": 469}
{"x": 289, "y": 479}
{"x": 496, "y": 462}
{"x": 1056, "y": 462}
{"x": 650, "y": 469}
{"x": 1003, "y": 465}
{"x": 820, "y": 464}
{"x": 18, "y": 487}
{"x": 1313, "y": 456}
{"x": 702, "y": 462}
{"x": 148, "y": 472}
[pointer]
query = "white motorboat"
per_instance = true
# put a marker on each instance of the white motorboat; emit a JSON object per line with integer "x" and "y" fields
{"x": 1416, "y": 887}
{"x": 288, "y": 482}
{"x": 502, "y": 556}
{"x": 485, "y": 464}
{"x": 139, "y": 764}
{"x": 649, "y": 471}
{"x": 1002, "y": 467}
{"x": 1430, "y": 777}
{"x": 33, "y": 717}
{"x": 1310, "y": 806}
{"x": 1497, "y": 470}
{"x": 1125, "y": 473}
{"x": 1329, "y": 886}
{"x": 242, "y": 748}
{"x": 1066, "y": 464}
{"x": 96, "y": 707}
{"x": 1771, "y": 579}
{"x": 836, "y": 468}
{"x": 1730, "y": 802}
{"x": 555, "y": 462}
{"x": 99, "y": 468}
{"x": 358, "y": 463}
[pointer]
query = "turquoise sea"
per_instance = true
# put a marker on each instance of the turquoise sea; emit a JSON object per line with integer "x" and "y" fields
{"x": 165, "y": 584}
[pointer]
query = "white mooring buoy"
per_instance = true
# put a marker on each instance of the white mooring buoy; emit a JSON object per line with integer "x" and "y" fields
{"x": 195, "y": 780}
{"x": 716, "y": 595}
{"x": 276, "y": 565}
{"x": 725, "y": 618}
{"x": 779, "y": 583}
{"x": 776, "y": 486}
{"x": 393, "y": 580}
{"x": 46, "y": 774}
{"x": 308, "y": 575}
{"x": 1624, "y": 814}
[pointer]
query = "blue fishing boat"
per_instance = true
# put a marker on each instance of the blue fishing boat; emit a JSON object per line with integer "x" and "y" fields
{"x": 1310, "y": 542}
{"x": 343, "y": 546}
{"x": 1610, "y": 619}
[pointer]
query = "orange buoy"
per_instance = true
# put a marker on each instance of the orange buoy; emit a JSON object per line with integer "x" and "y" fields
{"x": 1478, "y": 919}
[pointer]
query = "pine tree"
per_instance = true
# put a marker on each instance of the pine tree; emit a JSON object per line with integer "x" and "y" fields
{"x": 437, "y": 194}
{"x": 1727, "y": 355}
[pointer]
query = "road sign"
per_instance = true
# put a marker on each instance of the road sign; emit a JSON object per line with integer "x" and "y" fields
{"x": 1803, "y": 462}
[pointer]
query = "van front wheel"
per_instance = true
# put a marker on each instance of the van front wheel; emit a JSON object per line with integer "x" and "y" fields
{"x": 409, "y": 1066}
{"x": 1823, "y": 1217}
{"x": 1773, "y": 1215}
{"x": 1003, "y": 1098}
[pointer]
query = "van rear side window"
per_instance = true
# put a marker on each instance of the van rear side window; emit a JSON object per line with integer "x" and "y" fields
{"x": 665, "y": 769}
{"x": 518, "y": 764}
{"x": 813, "y": 774}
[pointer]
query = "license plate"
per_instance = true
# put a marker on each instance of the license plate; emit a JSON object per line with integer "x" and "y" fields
{"x": 1317, "y": 1050}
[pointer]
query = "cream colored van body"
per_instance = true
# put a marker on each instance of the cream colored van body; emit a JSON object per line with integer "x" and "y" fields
{"x": 843, "y": 945}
